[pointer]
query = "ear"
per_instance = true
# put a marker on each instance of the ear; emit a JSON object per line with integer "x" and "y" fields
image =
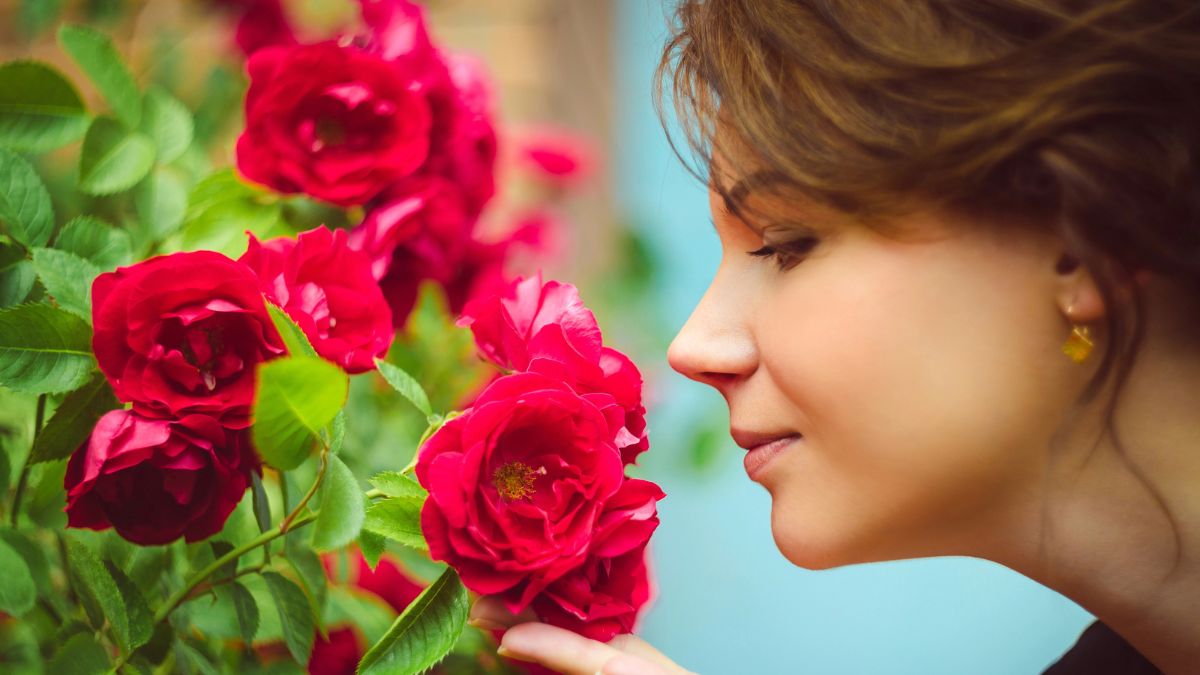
{"x": 1078, "y": 298}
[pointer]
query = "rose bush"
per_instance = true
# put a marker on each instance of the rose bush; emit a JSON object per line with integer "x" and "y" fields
{"x": 186, "y": 433}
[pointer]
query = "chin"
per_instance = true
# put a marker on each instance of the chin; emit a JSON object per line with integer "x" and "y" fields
{"x": 816, "y": 545}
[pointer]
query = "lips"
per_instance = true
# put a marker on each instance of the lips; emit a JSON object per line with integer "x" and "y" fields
{"x": 750, "y": 440}
{"x": 759, "y": 456}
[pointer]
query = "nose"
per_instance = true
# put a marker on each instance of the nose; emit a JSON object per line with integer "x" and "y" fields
{"x": 715, "y": 345}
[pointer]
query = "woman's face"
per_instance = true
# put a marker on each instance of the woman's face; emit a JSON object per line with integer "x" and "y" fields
{"x": 924, "y": 375}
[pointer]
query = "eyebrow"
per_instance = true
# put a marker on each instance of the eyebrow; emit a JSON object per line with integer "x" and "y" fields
{"x": 742, "y": 188}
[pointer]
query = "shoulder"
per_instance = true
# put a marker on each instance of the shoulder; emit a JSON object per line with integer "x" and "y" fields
{"x": 1100, "y": 651}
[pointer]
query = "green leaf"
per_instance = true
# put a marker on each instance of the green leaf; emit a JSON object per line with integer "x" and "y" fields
{"x": 37, "y": 15}
{"x": 161, "y": 202}
{"x": 113, "y": 158}
{"x": 25, "y": 210}
{"x": 371, "y": 545}
{"x": 296, "y": 396}
{"x": 408, "y": 387}
{"x": 73, "y": 420}
{"x": 221, "y": 208}
{"x": 397, "y": 518}
{"x": 247, "y": 611}
{"x": 39, "y": 108}
{"x": 310, "y": 572}
{"x": 17, "y": 593}
{"x": 141, "y": 619}
{"x": 293, "y": 337}
{"x": 341, "y": 514}
{"x": 35, "y": 559}
{"x": 167, "y": 122}
{"x": 424, "y": 633}
{"x": 396, "y": 484}
{"x": 192, "y": 661}
{"x": 81, "y": 655}
{"x": 262, "y": 506}
{"x": 44, "y": 350}
{"x": 95, "y": 54}
{"x": 67, "y": 278}
{"x": 101, "y": 590}
{"x": 17, "y": 275}
{"x": 94, "y": 240}
{"x": 337, "y": 433}
{"x": 294, "y": 615}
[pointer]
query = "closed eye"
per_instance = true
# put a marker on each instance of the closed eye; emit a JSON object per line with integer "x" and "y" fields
{"x": 787, "y": 254}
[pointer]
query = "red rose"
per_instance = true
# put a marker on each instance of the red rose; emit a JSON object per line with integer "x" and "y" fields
{"x": 546, "y": 328}
{"x": 182, "y": 333}
{"x": 602, "y": 597}
{"x": 263, "y": 23}
{"x": 599, "y": 599}
{"x": 518, "y": 484}
{"x": 532, "y": 320}
{"x": 330, "y": 121}
{"x": 339, "y": 655}
{"x": 156, "y": 480}
{"x": 556, "y": 155}
{"x": 418, "y": 231}
{"x": 462, "y": 139}
{"x": 465, "y": 152}
{"x": 327, "y": 289}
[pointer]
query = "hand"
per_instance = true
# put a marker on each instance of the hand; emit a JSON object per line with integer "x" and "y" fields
{"x": 561, "y": 650}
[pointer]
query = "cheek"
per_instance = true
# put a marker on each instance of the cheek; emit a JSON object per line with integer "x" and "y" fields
{"x": 924, "y": 377}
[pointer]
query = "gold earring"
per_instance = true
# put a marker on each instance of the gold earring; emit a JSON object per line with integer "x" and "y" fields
{"x": 1079, "y": 344}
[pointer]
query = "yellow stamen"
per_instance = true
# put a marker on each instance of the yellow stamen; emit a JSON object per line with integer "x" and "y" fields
{"x": 515, "y": 480}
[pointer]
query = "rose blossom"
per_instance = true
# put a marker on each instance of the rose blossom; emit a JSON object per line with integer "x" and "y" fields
{"x": 463, "y": 144}
{"x": 327, "y": 289}
{"x": 334, "y": 122}
{"x": 182, "y": 333}
{"x": 602, "y": 597}
{"x": 546, "y": 328}
{"x": 557, "y": 155}
{"x": 418, "y": 231}
{"x": 518, "y": 484}
{"x": 263, "y": 23}
{"x": 156, "y": 480}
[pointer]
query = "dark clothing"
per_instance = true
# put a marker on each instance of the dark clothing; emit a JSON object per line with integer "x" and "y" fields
{"x": 1100, "y": 651}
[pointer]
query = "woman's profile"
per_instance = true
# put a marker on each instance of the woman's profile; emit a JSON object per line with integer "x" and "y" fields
{"x": 958, "y": 306}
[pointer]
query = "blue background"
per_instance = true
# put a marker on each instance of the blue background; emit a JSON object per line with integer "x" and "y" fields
{"x": 728, "y": 600}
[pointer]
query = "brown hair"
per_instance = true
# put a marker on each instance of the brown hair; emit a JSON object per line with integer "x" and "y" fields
{"x": 1081, "y": 116}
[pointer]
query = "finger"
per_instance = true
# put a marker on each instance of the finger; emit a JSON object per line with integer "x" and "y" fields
{"x": 632, "y": 644}
{"x": 490, "y": 613}
{"x": 572, "y": 654}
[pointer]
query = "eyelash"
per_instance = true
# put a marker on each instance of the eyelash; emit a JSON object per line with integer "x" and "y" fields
{"x": 789, "y": 254}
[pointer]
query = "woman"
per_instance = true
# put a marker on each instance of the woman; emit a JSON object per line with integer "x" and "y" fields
{"x": 957, "y": 309}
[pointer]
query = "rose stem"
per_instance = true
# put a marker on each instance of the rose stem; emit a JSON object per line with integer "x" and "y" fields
{"x": 180, "y": 595}
{"x": 311, "y": 491}
{"x": 37, "y": 429}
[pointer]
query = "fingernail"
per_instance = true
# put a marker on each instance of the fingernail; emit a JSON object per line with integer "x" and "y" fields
{"x": 509, "y": 654}
{"x": 485, "y": 624}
